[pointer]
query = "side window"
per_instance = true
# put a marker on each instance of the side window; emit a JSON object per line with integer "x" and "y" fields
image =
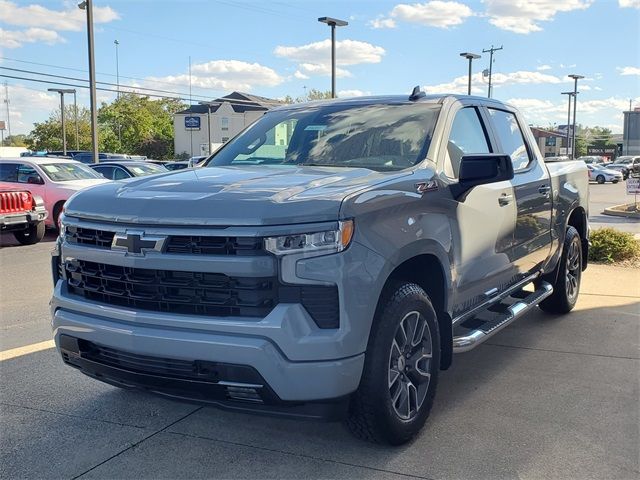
{"x": 511, "y": 138}
{"x": 106, "y": 172}
{"x": 467, "y": 137}
{"x": 28, "y": 174}
{"x": 120, "y": 174}
{"x": 8, "y": 172}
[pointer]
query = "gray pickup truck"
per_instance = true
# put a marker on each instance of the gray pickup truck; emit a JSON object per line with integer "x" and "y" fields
{"x": 326, "y": 262}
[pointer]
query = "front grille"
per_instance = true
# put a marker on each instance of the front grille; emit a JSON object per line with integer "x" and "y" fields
{"x": 194, "y": 293}
{"x": 212, "y": 294}
{"x": 176, "y": 244}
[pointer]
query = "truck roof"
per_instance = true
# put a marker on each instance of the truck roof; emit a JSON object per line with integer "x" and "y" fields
{"x": 38, "y": 160}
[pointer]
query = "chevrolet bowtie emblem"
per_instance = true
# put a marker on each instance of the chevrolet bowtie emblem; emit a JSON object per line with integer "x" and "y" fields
{"x": 137, "y": 243}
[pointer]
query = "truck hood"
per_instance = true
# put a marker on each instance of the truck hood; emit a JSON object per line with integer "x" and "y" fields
{"x": 224, "y": 196}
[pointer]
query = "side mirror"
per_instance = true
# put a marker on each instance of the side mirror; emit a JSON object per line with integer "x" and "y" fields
{"x": 480, "y": 170}
{"x": 35, "y": 180}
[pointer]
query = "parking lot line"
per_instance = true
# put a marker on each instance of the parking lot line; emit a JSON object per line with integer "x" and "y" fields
{"x": 27, "y": 349}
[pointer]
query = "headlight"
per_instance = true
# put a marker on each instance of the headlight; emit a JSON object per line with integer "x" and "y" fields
{"x": 312, "y": 244}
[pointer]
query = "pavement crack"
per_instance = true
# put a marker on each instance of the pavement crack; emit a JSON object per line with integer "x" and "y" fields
{"x": 562, "y": 351}
{"x": 44, "y": 410}
{"x": 299, "y": 455}
{"x": 133, "y": 445}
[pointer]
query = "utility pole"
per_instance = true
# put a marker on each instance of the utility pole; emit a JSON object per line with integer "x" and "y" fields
{"x": 88, "y": 6}
{"x": 116, "y": 43}
{"x": 569, "y": 94}
{"x": 75, "y": 116}
{"x": 62, "y": 91}
{"x": 490, "y": 52}
{"x": 6, "y": 101}
{"x": 575, "y": 102}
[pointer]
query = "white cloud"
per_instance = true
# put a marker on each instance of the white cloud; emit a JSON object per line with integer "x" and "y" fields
{"x": 629, "y": 70}
{"x": 542, "y": 68}
{"x": 436, "y": 13}
{"x": 524, "y": 16}
{"x": 382, "y": 22}
{"x": 225, "y": 75}
{"x": 459, "y": 84}
{"x": 352, "y": 93}
{"x": 16, "y": 38}
{"x": 299, "y": 75}
{"x": 71, "y": 18}
{"x": 29, "y": 105}
{"x": 629, "y": 3}
{"x": 315, "y": 58}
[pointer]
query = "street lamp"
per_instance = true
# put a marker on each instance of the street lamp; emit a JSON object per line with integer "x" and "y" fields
{"x": 471, "y": 57}
{"x": 116, "y": 43}
{"x": 88, "y": 6}
{"x": 575, "y": 102}
{"x": 333, "y": 23}
{"x": 208, "y": 105}
{"x": 62, "y": 91}
{"x": 570, "y": 95}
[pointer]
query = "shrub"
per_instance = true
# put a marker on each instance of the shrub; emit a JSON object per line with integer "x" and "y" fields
{"x": 610, "y": 245}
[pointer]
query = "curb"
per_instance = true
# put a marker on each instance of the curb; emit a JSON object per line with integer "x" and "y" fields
{"x": 617, "y": 213}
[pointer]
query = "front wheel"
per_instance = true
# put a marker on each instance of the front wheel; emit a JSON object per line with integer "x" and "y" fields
{"x": 32, "y": 235}
{"x": 600, "y": 179}
{"x": 401, "y": 369}
{"x": 569, "y": 275}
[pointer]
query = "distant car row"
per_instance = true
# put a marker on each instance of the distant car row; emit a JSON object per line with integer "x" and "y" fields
{"x": 602, "y": 171}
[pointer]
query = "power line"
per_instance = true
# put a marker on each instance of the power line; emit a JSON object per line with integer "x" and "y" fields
{"x": 49, "y": 82}
{"x": 31, "y": 72}
{"x": 99, "y": 73}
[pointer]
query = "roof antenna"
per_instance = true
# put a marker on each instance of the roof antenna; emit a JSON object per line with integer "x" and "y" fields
{"x": 416, "y": 94}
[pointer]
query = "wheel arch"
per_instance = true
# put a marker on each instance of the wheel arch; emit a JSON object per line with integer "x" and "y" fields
{"x": 578, "y": 220}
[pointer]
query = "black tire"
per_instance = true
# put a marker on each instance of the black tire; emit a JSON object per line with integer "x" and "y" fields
{"x": 31, "y": 235}
{"x": 614, "y": 181}
{"x": 566, "y": 286}
{"x": 57, "y": 210}
{"x": 600, "y": 179}
{"x": 372, "y": 414}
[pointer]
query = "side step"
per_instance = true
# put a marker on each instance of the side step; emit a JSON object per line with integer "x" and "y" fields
{"x": 476, "y": 330}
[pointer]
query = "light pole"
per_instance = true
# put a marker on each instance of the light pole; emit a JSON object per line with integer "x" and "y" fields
{"x": 569, "y": 94}
{"x": 88, "y": 6}
{"x": 471, "y": 57}
{"x": 116, "y": 43}
{"x": 62, "y": 91}
{"x": 490, "y": 52}
{"x": 575, "y": 102}
{"x": 333, "y": 23}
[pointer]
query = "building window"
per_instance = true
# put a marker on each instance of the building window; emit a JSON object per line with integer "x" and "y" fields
{"x": 550, "y": 141}
{"x": 224, "y": 124}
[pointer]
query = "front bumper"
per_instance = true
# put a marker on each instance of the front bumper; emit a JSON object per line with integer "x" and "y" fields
{"x": 21, "y": 221}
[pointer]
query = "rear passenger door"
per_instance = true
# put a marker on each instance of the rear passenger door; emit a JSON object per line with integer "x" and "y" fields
{"x": 532, "y": 189}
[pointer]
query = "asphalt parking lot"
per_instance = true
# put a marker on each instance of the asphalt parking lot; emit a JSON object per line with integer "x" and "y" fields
{"x": 606, "y": 195}
{"x": 548, "y": 397}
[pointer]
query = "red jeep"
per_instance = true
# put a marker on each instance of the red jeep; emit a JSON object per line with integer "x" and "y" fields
{"x": 23, "y": 214}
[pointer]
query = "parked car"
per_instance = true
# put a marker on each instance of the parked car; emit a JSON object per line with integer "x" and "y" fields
{"x": 53, "y": 179}
{"x": 22, "y": 214}
{"x": 87, "y": 157}
{"x": 180, "y": 165}
{"x": 128, "y": 169}
{"x": 631, "y": 162}
{"x": 619, "y": 167}
{"x": 334, "y": 270}
{"x": 593, "y": 159}
{"x": 601, "y": 174}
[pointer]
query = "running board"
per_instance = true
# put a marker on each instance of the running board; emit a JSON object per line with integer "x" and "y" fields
{"x": 476, "y": 330}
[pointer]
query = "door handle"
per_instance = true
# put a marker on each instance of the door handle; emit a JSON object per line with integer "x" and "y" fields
{"x": 505, "y": 199}
{"x": 544, "y": 190}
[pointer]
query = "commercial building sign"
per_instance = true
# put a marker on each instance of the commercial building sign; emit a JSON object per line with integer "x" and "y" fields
{"x": 608, "y": 151}
{"x": 633, "y": 186}
{"x": 192, "y": 123}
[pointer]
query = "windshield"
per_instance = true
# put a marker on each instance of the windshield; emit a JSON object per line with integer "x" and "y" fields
{"x": 65, "y": 172}
{"x": 378, "y": 137}
{"x": 140, "y": 170}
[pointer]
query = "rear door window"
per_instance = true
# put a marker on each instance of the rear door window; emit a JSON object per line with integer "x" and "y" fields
{"x": 9, "y": 172}
{"x": 511, "y": 138}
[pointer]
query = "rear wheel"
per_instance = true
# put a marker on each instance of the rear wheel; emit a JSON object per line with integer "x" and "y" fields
{"x": 31, "y": 235}
{"x": 600, "y": 179}
{"x": 566, "y": 286}
{"x": 401, "y": 369}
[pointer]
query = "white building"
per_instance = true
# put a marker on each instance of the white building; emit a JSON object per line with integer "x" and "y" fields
{"x": 202, "y": 128}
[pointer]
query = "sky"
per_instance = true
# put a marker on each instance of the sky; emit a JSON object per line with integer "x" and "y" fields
{"x": 276, "y": 48}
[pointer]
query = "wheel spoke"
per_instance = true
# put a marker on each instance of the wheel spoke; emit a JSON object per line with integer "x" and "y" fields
{"x": 417, "y": 337}
{"x": 410, "y": 323}
{"x": 412, "y": 394}
{"x": 422, "y": 365}
{"x": 395, "y": 350}
{"x": 393, "y": 376}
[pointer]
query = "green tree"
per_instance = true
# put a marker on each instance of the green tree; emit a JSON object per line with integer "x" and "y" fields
{"x": 47, "y": 135}
{"x": 18, "y": 140}
{"x": 310, "y": 96}
{"x": 138, "y": 125}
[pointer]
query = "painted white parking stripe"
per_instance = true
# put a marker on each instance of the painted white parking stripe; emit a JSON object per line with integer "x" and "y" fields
{"x": 26, "y": 350}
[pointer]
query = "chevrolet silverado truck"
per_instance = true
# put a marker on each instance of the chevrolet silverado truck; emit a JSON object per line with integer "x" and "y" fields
{"x": 327, "y": 262}
{"x": 22, "y": 214}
